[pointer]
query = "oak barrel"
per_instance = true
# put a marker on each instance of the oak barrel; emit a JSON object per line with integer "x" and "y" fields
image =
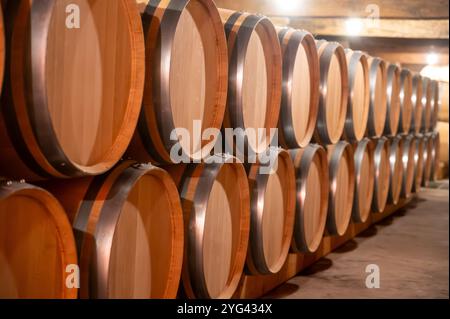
{"x": 216, "y": 208}
{"x": 435, "y": 104}
{"x": 300, "y": 88}
{"x": 364, "y": 180}
{"x": 417, "y": 94}
{"x": 378, "y": 97}
{"x": 129, "y": 230}
{"x": 254, "y": 84}
{"x": 393, "y": 100}
{"x": 272, "y": 208}
{"x": 36, "y": 245}
{"x": 406, "y": 107}
{"x": 359, "y": 96}
{"x": 342, "y": 187}
{"x": 382, "y": 174}
{"x": 186, "y": 81}
{"x": 396, "y": 169}
{"x": 311, "y": 165}
{"x": 428, "y": 148}
{"x": 435, "y": 155}
{"x": 70, "y": 108}
{"x": 427, "y": 101}
{"x": 418, "y": 162}
{"x": 407, "y": 165}
{"x": 334, "y": 91}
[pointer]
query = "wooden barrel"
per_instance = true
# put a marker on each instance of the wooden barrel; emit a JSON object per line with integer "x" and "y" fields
{"x": 418, "y": 163}
{"x": 300, "y": 88}
{"x": 216, "y": 208}
{"x": 312, "y": 184}
{"x": 254, "y": 83}
{"x": 407, "y": 165}
{"x": 342, "y": 187}
{"x": 2, "y": 49}
{"x": 382, "y": 174}
{"x": 364, "y": 180}
{"x": 334, "y": 90}
{"x": 359, "y": 95}
{"x": 128, "y": 226}
{"x": 427, "y": 100}
{"x": 428, "y": 148}
{"x": 378, "y": 98}
{"x": 435, "y": 104}
{"x": 36, "y": 245}
{"x": 272, "y": 209}
{"x": 393, "y": 100}
{"x": 405, "y": 101}
{"x": 396, "y": 169}
{"x": 186, "y": 81}
{"x": 71, "y": 107}
{"x": 416, "y": 121}
{"x": 435, "y": 155}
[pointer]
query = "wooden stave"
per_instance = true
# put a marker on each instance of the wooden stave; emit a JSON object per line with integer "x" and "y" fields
{"x": 405, "y": 101}
{"x": 396, "y": 145}
{"x": 435, "y": 105}
{"x": 381, "y": 144}
{"x": 289, "y": 50}
{"x": 238, "y": 37}
{"x": 256, "y": 263}
{"x": 359, "y": 149}
{"x": 427, "y": 97}
{"x": 393, "y": 111}
{"x": 335, "y": 154}
{"x": 427, "y": 159}
{"x": 418, "y": 163}
{"x": 94, "y": 236}
{"x": 416, "y": 119}
{"x": 435, "y": 156}
{"x": 151, "y": 141}
{"x": 408, "y": 162}
{"x": 353, "y": 58}
{"x": 64, "y": 230}
{"x": 374, "y": 64}
{"x": 321, "y": 132}
{"x": 302, "y": 159}
{"x": 194, "y": 285}
{"x": 29, "y": 137}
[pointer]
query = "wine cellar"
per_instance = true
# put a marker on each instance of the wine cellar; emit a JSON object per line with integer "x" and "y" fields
{"x": 200, "y": 149}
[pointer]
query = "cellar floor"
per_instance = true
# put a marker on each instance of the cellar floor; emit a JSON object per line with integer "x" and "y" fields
{"x": 410, "y": 247}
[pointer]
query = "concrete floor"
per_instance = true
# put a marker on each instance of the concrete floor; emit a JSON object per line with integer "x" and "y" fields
{"x": 411, "y": 249}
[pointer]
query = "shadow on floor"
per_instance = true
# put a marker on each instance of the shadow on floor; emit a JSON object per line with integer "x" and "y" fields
{"x": 321, "y": 265}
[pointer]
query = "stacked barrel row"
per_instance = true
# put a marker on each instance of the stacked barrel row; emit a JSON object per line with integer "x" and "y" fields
{"x": 85, "y": 101}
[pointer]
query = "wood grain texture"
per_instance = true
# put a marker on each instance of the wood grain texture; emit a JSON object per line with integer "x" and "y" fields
{"x": 428, "y": 149}
{"x": 79, "y": 118}
{"x": 418, "y": 163}
{"x": 186, "y": 80}
{"x": 407, "y": 165}
{"x": 382, "y": 174}
{"x": 364, "y": 180}
{"x": 417, "y": 100}
{"x": 36, "y": 244}
{"x": 427, "y": 101}
{"x": 396, "y": 169}
{"x": 378, "y": 98}
{"x": 129, "y": 231}
{"x": 393, "y": 100}
{"x": 405, "y": 101}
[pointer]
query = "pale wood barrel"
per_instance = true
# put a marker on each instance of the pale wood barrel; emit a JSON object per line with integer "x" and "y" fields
{"x": 216, "y": 208}
{"x": 396, "y": 169}
{"x": 418, "y": 162}
{"x": 427, "y": 101}
{"x": 342, "y": 187}
{"x": 311, "y": 165}
{"x": 359, "y": 96}
{"x": 393, "y": 100}
{"x": 128, "y": 226}
{"x": 87, "y": 86}
{"x": 418, "y": 107}
{"x": 186, "y": 81}
{"x": 300, "y": 88}
{"x": 378, "y": 98}
{"x": 364, "y": 180}
{"x": 406, "y": 107}
{"x": 428, "y": 148}
{"x": 272, "y": 207}
{"x": 435, "y": 155}
{"x": 36, "y": 245}
{"x": 407, "y": 165}
{"x": 334, "y": 91}
{"x": 382, "y": 174}
{"x": 435, "y": 104}
{"x": 254, "y": 83}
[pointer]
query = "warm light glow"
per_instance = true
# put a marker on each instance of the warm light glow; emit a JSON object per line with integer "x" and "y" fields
{"x": 287, "y": 6}
{"x": 432, "y": 58}
{"x": 354, "y": 26}
{"x": 434, "y": 72}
